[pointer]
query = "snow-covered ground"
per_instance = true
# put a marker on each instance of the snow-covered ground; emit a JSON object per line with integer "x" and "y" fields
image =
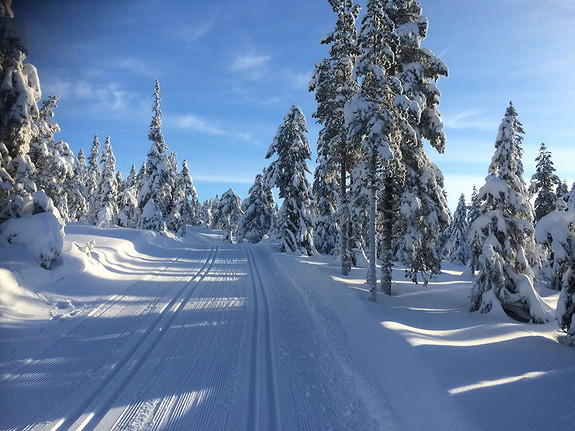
{"x": 140, "y": 331}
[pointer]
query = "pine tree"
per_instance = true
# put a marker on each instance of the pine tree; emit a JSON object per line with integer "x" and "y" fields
{"x": 156, "y": 183}
{"x": 257, "y": 219}
{"x": 543, "y": 184}
{"x": 287, "y": 173}
{"x": 93, "y": 181}
{"x": 502, "y": 238}
{"x": 455, "y": 249}
{"x": 78, "y": 204}
{"x": 326, "y": 231}
{"x": 557, "y": 231}
{"x": 424, "y": 213}
{"x": 19, "y": 94}
{"x": 107, "y": 202}
{"x": 335, "y": 84}
{"x": 230, "y": 212}
{"x": 54, "y": 162}
{"x": 372, "y": 120}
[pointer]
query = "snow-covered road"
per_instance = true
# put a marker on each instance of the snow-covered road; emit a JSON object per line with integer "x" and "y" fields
{"x": 217, "y": 338}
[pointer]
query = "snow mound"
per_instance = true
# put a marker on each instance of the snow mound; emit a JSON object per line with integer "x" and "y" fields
{"x": 42, "y": 234}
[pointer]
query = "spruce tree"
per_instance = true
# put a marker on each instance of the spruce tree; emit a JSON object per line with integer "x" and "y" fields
{"x": 288, "y": 174}
{"x": 107, "y": 202}
{"x": 326, "y": 232}
{"x": 502, "y": 238}
{"x": 423, "y": 210}
{"x": 156, "y": 182}
{"x": 93, "y": 181}
{"x": 257, "y": 219}
{"x": 19, "y": 94}
{"x": 230, "y": 212}
{"x": 557, "y": 231}
{"x": 372, "y": 119}
{"x": 455, "y": 249}
{"x": 334, "y": 84}
{"x": 543, "y": 184}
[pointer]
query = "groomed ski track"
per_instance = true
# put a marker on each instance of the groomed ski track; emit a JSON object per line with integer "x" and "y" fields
{"x": 219, "y": 339}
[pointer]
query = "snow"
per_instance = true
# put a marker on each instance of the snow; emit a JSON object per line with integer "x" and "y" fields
{"x": 134, "y": 329}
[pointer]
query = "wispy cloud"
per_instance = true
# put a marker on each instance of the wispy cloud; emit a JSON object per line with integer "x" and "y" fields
{"x": 193, "y": 33}
{"x": 196, "y": 124}
{"x": 110, "y": 96}
{"x": 252, "y": 66}
{"x": 204, "y": 126}
{"x": 471, "y": 119}
{"x": 134, "y": 65}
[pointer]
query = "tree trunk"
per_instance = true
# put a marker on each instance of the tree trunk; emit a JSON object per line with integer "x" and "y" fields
{"x": 371, "y": 272}
{"x": 387, "y": 245}
{"x": 344, "y": 217}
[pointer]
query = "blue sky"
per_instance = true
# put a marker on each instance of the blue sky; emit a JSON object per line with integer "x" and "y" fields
{"x": 230, "y": 70}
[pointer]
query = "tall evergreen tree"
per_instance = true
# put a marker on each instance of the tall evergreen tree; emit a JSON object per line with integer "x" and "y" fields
{"x": 557, "y": 231}
{"x": 107, "y": 202}
{"x": 93, "y": 181}
{"x": 455, "y": 249}
{"x": 423, "y": 212}
{"x": 543, "y": 184}
{"x": 326, "y": 233}
{"x": 19, "y": 94}
{"x": 502, "y": 238}
{"x": 53, "y": 160}
{"x": 78, "y": 206}
{"x": 230, "y": 213}
{"x": 371, "y": 118}
{"x": 287, "y": 173}
{"x": 335, "y": 84}
{"x": 257, "y": 219}
{"x": 156, "y": 182}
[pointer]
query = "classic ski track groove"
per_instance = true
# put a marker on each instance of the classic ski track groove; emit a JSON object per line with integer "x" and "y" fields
{"x": 133, "y": 360}
{"x": 96, "y": 312}
{"x": 168, "y": 413}
{"x": 262, "y": 347}
{"x": 315, "y": 376}
{"x": 111, "y": 308}
{"x": 23, "y": 376}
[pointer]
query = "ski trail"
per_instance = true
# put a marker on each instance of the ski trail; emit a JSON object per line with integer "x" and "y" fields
{"x": 189, "y": 380}
{"x": 101, "y": 399}
{"x": 86, "y": 354}
{"x": 263, "y": 399}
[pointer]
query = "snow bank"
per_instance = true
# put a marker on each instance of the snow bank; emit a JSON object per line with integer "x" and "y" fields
{"x": 42, "y": 234}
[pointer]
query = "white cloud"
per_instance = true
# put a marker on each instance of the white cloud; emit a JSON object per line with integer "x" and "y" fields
{"x": 470, "y": 119}
{"x": 195, "y": 123}
{"x": 252, "y": 66}
{"x": 194, "y": 33}
{"x": 298, "y": 79}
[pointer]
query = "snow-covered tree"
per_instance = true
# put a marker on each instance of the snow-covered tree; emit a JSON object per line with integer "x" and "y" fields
{"x": 557, "y": 231}
{"x": 502, "y": 238}
{"x": 19, "y": 94}
{"x": 77, "y": 202}
{"x": 230, "y": 213}
{"x": 371, "y": 119}
{"x": 156, "y": 183}
{"x": 326, "y": 233}
{"x": 334, "y": 84}
{"x": 287, "y": 173}
{"x": 93, "y": 181}
{"x": 107, "y": 201}
{"x": 128, "y": 201}
{"x": 186, "y": 205}
{"x": 424, "y": 213}
{"x": 455, "y": 249}
{"x": 151, "y": 217}
{"x": 543, "y": 184}
{"x": 257, "y": 219}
